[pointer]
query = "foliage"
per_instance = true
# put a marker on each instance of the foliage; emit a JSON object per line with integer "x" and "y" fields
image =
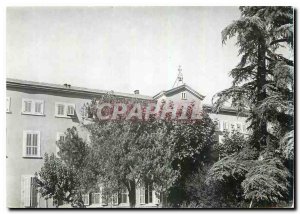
{"x": 266, "y": 181}
{"x": 56, "y": 180}
{"x": 158, "y": 151}
{"x": 67, "y": 177}
{"x": 263, "y": 85}
{"x": 232, "y": 143}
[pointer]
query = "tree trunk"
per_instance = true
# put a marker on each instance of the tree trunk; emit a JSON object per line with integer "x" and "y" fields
{"x": 132, "y": 196}
{"x": 251, "y": 203}
{"x": 261, "y": 130}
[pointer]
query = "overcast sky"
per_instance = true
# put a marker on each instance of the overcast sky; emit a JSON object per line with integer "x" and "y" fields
{"x": 123, "y": 48}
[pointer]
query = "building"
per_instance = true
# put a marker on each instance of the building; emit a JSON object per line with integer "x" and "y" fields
{"x": 38, "y": 114}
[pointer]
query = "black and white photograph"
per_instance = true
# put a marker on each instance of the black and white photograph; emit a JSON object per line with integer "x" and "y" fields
{"x": 131, "y": 107}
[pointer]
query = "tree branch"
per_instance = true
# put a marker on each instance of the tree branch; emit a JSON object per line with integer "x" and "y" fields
{"x": 278, "y": 41}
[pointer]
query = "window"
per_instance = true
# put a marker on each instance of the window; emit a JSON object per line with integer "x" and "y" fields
{"x": 86, "y": 199}
{"x": 29, "y": 191}
{"x": 34, "y": 107}
{"x": 146, "y": 194}
{"x": 115, "y": 200}
{"x": 104, "y": 198}
{"x": 225, "y": 126}
{"x": 217, "y": 124}
{"x": 124, "y": 196}
{"x": 70, "y": 110}
{"x": 31, "y": 144}
{"x": 60, "y": 110}
{"x": 7, "y": 104}
{"x": 142, "y": 194}
{"x": 183, "y": 95}
{"x": 64, "y": 109}
{"x": 96, "y": 198}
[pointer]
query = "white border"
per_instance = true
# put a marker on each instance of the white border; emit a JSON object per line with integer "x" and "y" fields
{"x": 5, "y": 3}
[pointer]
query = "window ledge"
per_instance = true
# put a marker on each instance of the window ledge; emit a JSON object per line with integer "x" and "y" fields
{"x": 64, "y": 116}
{"x": 32, "y": 157}
{"x": 25, "y": 113}
{"x": 124, "y": 204}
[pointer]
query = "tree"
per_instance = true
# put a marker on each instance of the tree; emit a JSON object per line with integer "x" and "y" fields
{"x": 67, "y": 177}
{"x": 260, "y": 32}
{"x": 263, "y": 84}
{"x": 55, "y": 180}
{"x": 156, "y": 151}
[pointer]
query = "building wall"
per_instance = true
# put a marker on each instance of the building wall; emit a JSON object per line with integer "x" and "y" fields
{"x": 48, "y": 125}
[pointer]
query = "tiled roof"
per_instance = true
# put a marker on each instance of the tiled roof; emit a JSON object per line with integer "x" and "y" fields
{"x": 184, "y": 86}
{"x": 16, "y": 83}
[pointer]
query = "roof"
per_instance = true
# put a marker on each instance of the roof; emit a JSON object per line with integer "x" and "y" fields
{"x": 184, "y": 86}
{"x": 224, "y": 109}
{"x": 16, "y": 83}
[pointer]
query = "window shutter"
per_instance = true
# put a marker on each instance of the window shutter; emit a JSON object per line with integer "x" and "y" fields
{"x": 39, "y": 107}
{"x": 38, "y": 144}
{"x": 150, "y": 193}
{"x": 119, "y": 197}
{"x": 27, "y": 106}
{"x": 137, "y": 194}
{"x": 142, "y": 194}
{"x": 33, "y": 193}
{"x": 70, "y": 110}
{"x": 26, "y": 187}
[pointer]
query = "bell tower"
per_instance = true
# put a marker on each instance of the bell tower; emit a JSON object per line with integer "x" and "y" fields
{"x": 179, "y": 78}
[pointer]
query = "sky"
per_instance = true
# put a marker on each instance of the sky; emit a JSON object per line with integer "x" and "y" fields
{"x": 122, "y": 48}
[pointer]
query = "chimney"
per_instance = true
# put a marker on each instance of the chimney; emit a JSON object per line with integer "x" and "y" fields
{"x": 136, "y": 91}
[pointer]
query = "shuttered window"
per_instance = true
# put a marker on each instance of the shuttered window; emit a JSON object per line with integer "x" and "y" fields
{"x": 38, "y": 107}
{"x": 31, "y": 106}
{"x": 115, "y": 200}
{"x": 27, "y": 106}
{"x": 29, "y": 191}
{"x": 64, "y": 109}
{"x": 70, "y": 110}
{"x": 31, "y": 145}
{"x": 60, "y": 109}
{"x": 124, "y": 196}
{"x": 142, "y": 194}
{"x": 96, "y": 198}
{"x": 146, "y": 193}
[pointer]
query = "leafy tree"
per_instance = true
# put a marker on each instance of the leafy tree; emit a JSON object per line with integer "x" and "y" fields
{"x": 67, "y": 177}
{"x": 233, "y": 142}
{"x": 57, "y": 181}
{"x": 157, "y": 151}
